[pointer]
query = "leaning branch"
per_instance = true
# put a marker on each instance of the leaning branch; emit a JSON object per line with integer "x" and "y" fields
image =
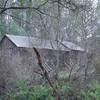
{"x": 45, "y": 73}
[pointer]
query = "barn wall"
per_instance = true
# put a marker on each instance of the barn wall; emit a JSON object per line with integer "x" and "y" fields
{"x": 7, "y": 50}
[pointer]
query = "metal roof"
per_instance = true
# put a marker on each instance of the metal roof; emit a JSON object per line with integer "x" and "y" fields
{"x": 29, "y": 42}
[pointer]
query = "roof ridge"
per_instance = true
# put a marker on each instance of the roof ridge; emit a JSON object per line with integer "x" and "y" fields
{"x": 26, "y": 41}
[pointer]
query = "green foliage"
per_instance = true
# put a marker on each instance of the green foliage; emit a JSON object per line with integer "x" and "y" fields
{"x": 43, "y": 93}
{"x": 30, "y": 2}
{"x": 93, "y": 93}
{"x": 21, "y": 2}
{"x": 24, "y": 92}
{"x": 12, "y": 28}
{"x": 39, "y": 92}
{"x": 66, "y": 91}
{"x": 30, "y": 10}
{"x": 2, "y": 27}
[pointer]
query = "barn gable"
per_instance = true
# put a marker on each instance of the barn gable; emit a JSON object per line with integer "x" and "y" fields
{"x": 6, "y": 42}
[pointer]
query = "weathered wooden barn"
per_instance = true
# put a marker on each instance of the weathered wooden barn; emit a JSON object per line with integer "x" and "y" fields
{"x": 17, "y": 58}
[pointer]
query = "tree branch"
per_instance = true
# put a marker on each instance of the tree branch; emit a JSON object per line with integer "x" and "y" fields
{"x": 3, "y": 9}
{"x": 43, "y": 4}
{"x": 72, "y": 5}
{"x": 5, "y": 3}
{"x": 45, "y": 73}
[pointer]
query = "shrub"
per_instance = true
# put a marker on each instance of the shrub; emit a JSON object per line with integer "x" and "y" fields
{"x": 93, "y": 93}
{"x": 24, "y": 92}
{"x": 66, "y": 91}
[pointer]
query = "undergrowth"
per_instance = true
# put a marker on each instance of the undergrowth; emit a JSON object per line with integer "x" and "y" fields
{"x": 44, "y": 92}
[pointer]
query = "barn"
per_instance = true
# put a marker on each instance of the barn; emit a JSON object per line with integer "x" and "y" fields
{"x": 17, "y": 57}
